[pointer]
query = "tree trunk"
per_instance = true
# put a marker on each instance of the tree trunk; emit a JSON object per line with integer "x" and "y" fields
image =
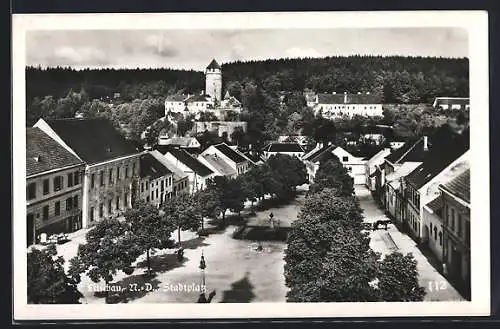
{"x": 224, "y": 217}
{"x": 179, "y": 235}
{"x": 202, "y": 227}
{"x": 106, "y": 291}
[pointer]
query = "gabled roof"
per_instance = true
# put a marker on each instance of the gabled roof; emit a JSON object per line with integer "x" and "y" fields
{"x": 180, "y": 141}
{"x": 234, "y": 155}
{"x": 94, "y": 140}
{"x": 151, "y": 167}
{"x": 178, "y": 173}
{"x": 284, "y": 148}
{"x": 219, "y": 164}
{"x": 451, "y": 100}
{"x": 402, "y": 171}
{"x": 176, "y": 98}
{"x": 191, "y": 162}
{"x": 459, "y": 186}
{"x": 316, "y": 156}
{"x": 436, "y": 205}
{"x": 380, "y": 155}
{"x": 198, "y": 98}
{"x": 43, "y": 153}
{"x": 435, "y": 162}
{"x": 412, "y": 151}
{"x": 213, "y": 65}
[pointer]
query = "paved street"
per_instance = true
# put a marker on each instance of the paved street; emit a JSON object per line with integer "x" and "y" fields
{"x": 436, "y": 286}
{"x": 237, "y": 271}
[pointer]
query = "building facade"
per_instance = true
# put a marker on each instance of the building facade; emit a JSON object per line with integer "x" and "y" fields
{"x": 197, "y": 172}
{"x": 180, "y": 179}
{"x": 53, "y": 187}
{"x": 335, "y": 105}
{"x": 456, "y": 229}
{"x": 112, "y": 164}
{"x": 156, "y": 181}
{"x": 232, "y": 158}
{"x": 213, "y": 81}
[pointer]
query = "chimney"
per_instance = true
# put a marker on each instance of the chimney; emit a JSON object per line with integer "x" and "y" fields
{"x": 345, "y": 97}
{"x": 426, "y": 147}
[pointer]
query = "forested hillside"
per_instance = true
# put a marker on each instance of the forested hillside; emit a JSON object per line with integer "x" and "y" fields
{"x": 397, "y": 79}
{"x": 270, "y": 92}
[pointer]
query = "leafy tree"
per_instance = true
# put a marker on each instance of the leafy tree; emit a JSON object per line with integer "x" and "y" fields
{"x": 288, "y": 171}
{"x": 182, "y": 212}
{"x": 231, "y": 116}
{"x": 398, "y": 279}
{"x": 110, "y": 247}
{"x": 149, "y": 228}
{"x": 208, "y": 203}
{"x": 323, "y": 130}
{"x": 229, "y": 192}
{"x": 332, "y": 174}
{"x": 207, "y": 116}
{"x": 47, "y": 281}
{"x": 184, "y": 125}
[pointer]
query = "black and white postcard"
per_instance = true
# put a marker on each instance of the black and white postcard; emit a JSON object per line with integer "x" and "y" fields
{"x": 319, "y": 164}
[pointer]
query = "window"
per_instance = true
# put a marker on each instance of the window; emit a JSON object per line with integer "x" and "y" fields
{"x": 101, "y": 210}
{"x": 75, "y": 201}
{"x": 142, "y": 187}
{"x": 45, "y": 186}
{"x": 152, "y": 195}
{"x": 109, "y": 206}
{"x": 117, "y": 203}
{"x": 118, "y": 173}
{"x": 125, "y": 201}
{"x": 57, "y": 208}
{"x": 435, "y": 233}
{"x": 133, "y": 169}
{"x": 76, "y": 178}
{"x": 111, "y": 176}
{"x": 345, "y": 159}
{"x": 69, "y": 203}
{"x": 101, "y": 178}
{"x": 157, "y": 194}
{"x": 431, "y": 229}
{"x": 147, "y": 199}
{"x": 91, "y": 214}
{"x": 126, "y": 172}
{"x": 70, "y": 179}
{"x": 92, "y": 181}
{"x": 31, "y": 191}
{"x": 45, "y": 213}
{"x": 452, "y": 219}
{"x": 440, "y": 238}
{"x": 162, "y": 185}
{"x": 459, "y": 225}
{"x": 58, "y": 183}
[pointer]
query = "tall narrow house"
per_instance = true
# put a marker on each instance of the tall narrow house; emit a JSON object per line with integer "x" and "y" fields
{"x": 111, "y": 164}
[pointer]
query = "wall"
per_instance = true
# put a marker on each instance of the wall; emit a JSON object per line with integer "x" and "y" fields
{"x": 213, "y": 83}
{"x": 339, "y": 110}
{"x": 119, "y": 192}
{"x": 152, "y": 191}
{"x": 456, "y": 236}
{"x": 433, "y": 223}
{"x": 67, "y": 220}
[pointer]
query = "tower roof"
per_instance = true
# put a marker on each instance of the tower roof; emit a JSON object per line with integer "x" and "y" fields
{"x": 213, "y": 65}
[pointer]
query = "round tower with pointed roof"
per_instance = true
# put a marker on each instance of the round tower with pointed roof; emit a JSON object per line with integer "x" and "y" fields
{"x": 213, "y": 81}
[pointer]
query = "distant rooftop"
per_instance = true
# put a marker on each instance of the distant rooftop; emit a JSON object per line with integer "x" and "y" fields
{"x": 460, "y": 186}
{"x": 213, "y": 65}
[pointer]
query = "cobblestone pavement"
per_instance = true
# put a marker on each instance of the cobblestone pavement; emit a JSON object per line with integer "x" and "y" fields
{"x": 384, "y": 242}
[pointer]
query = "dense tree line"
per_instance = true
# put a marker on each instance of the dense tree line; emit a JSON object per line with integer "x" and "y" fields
{"x": 397, "y": 79}
{"x": 328, "y": 257}
{"x": 100, "y": 83}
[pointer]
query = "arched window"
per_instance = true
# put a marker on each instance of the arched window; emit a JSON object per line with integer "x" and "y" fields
{"x": 435, "y": 233}
{"x": 440, "y": 238}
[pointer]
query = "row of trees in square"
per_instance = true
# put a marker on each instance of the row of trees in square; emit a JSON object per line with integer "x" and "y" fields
{"x": 113, "y": 245}
{"x": 328, "y": 257}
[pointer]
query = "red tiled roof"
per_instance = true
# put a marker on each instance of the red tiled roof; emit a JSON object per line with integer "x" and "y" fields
{"x": 49, "y": 153}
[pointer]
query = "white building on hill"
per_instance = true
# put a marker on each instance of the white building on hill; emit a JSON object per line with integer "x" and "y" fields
{"x": 335, "y": 105}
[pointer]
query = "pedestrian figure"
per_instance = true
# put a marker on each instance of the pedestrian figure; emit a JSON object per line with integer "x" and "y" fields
{"x": 445, "y": 270}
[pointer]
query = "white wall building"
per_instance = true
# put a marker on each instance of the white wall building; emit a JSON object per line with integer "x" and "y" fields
{"x": 335, "y": 105}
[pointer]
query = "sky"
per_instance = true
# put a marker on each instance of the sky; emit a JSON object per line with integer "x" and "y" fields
{"x": 194, "y": 49}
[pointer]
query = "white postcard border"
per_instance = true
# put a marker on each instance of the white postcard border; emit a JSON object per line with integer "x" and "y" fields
{"x": 475, "y": 22}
